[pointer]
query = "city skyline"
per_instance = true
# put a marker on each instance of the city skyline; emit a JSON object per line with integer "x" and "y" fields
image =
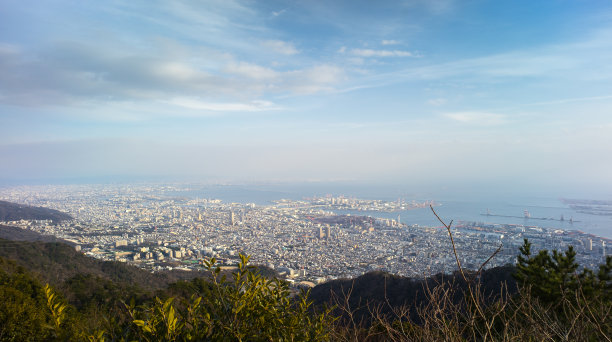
{"x": 415, "y": 92}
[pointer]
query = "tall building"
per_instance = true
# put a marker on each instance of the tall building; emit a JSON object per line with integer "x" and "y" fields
{"x": 328, "y": 232}
{"x": 232, "y": 218}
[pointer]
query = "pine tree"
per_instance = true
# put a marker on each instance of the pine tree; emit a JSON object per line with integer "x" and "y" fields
{"x": 551, "y": 278}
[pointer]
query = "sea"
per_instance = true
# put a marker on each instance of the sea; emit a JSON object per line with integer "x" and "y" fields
{"x": 547, "y": 211}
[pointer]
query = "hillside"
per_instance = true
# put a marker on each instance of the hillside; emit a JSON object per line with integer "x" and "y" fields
{"x": 394, "y": 291}
{"x": 57, "y": 263}
{"x": 19, "y": 234}
{"x": 83, "y": 278}
{"x": 13, "y": 212}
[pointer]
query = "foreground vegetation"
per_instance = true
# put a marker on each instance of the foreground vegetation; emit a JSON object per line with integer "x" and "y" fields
{"x": 555, "y": 301}
{"x": 545, "y": 297}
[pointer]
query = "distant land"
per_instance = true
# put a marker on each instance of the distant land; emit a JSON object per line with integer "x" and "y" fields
{"x": 14, "y": 212}
{"x": 592, "y": 207}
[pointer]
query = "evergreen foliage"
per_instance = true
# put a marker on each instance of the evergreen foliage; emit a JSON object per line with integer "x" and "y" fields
{"x": 552, "y": 277}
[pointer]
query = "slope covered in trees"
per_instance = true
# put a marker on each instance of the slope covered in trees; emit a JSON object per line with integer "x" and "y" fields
{"x": 19, "y": 234}
{"x": 389, "y": 292}
{"x": 57, "y": 262}
{"x": 14, "y": 212}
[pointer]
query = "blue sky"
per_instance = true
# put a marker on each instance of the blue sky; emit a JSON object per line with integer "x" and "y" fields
{"x": 517, "y": 93}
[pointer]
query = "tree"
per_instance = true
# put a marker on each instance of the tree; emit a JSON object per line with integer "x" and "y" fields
{"x": 549, "y": 277}
{"x": 554, "y": 278}
{"x": 23, "y": 316}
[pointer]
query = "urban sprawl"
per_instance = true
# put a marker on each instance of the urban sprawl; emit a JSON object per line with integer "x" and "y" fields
{"x": 305, "y": 241}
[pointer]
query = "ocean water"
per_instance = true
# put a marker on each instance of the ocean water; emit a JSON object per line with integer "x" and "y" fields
{"x": 542, "y": 215}
{"x": 545, "y": 211}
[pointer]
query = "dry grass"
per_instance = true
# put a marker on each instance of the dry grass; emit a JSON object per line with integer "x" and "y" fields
{"x": 518, "y": 317}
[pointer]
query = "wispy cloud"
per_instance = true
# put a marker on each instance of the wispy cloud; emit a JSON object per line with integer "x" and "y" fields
{"x": 277, "y": 13}
{"x": 74, "y": 72}
{"x": 281, "y": 47}
{"x": 252, "y": 71}
{"x": 583, "y": 61}
{"x": 381, "y": 53}
{"x": 313, "y": 80}
{"x": 389, "y": 42}
{"x": 478, "y": 118}
{"x": 570, "y": 100}
{"x": 437, "y": 102}
{"x": 193, "y": 103}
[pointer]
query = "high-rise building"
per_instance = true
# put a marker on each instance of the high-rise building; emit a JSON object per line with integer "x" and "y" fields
{"x": 232, "y": 218}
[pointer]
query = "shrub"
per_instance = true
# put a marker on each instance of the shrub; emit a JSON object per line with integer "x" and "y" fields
{"x": 248, "y": 307}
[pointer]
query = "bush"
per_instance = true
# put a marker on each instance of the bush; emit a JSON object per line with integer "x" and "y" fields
{"x": 248, "y": 307}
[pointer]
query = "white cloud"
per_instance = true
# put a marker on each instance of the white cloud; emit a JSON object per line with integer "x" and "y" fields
{"x": 251, "y": 71}
{"x": 437, "y": 102}
{"x": 192, "y": 103}
{"x": 390, "y": 42}
{"x": 318, "y": 78}
{"x": 280, "y": 46}
{"x": 71, "y": 73}
{"x": 177, "y": 71}
{"x": 277, "y": 13}
{"x": 381, "y": 53}
{"x": 478, "y": 118}
{"x": 584, "y": 61}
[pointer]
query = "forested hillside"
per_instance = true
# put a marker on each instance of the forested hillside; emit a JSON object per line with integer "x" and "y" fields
{"x": 391, "y": 292}
{"x": 13, "y": 212}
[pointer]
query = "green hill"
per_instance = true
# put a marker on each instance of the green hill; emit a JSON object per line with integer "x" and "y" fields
{"x": 19, "y": 234}
{"x": 56, "y": 262}
{"x": 14, "y": 212}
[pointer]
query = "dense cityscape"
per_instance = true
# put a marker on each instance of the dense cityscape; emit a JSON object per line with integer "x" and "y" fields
{"x": 305, "y": 241}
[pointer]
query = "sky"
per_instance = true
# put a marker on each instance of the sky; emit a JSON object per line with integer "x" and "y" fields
{"x": 486, "y": 93}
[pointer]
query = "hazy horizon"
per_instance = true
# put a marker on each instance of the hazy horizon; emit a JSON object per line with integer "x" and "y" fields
{"x": 467, "y": 96}
{"x": 356, "y": 189}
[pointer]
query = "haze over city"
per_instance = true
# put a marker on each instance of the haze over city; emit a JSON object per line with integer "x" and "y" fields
{"x": 480, "y": 93}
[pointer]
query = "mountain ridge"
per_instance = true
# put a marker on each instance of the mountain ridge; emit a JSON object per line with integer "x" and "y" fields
{"x": 13, "y": 212}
